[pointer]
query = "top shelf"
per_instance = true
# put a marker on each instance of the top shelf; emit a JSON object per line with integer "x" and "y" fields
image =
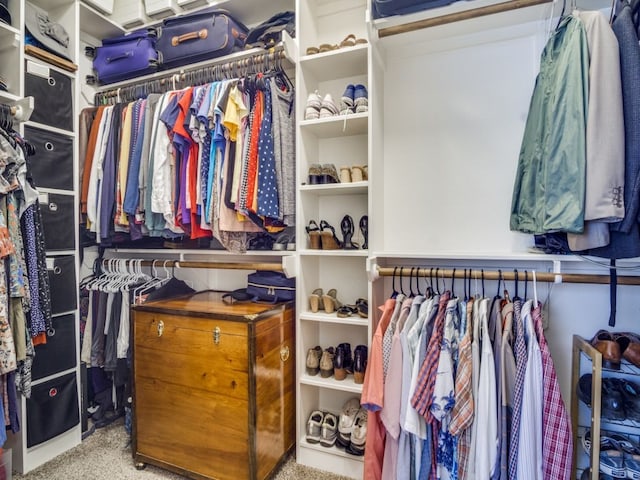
{"x": 340, "y": 63}
{"x": 96, "y": 24}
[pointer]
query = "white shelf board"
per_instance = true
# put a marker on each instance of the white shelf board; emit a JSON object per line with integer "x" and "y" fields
{"x": 337, "y": 126}
{"x": 96, "y": 24}
{"x": 42, "y": 126}
{"x": 166, "y": 252}
{"x": 354, "y": 320}
{"x": 333, "y": 253}
{"x": 7, "y": 30}
{"x": 333, "y": 450}
{"x": 353, "y": 188}
{"x": 346, "y": 385}
{"x": 481, "y": 256}
{"x": 8, "y": 96}
{"x": 335, "y": 64}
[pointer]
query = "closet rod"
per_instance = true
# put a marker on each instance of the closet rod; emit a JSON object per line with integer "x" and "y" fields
{"x": 458, "y": 16}
{"x": 506, "y": 275}
{"x": 192, "y": 75}
{"x": 210, "y": 265}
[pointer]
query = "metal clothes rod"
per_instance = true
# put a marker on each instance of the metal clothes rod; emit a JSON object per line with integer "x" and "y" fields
{"x": 505, "y": 275}
{"x": 181, "y": 264}
{"x": 458, "y": 16}
{"x": 192, "y": 76}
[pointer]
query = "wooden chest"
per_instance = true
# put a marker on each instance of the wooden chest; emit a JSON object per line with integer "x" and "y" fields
{"x": 214, "y": 392}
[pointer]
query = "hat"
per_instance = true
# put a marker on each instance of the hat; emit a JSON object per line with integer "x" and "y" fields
{"x": 51, "y": 35}
{"x": 5, "y": 15}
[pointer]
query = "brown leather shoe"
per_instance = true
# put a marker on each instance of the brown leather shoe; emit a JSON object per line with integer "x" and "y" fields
{"x": 606, "y": 344}
{"x": 630, "y": 347}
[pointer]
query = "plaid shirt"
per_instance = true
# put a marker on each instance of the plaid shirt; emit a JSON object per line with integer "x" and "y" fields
{"x": 462, "y": 415}
{"x": 557, "y": 438}
{"x": 521, "y": 365}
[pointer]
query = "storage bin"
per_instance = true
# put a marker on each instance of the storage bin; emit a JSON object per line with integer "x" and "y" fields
{"x": 104, "y": 6}
{"x": 52, "y": 164}
{"x": 62, "y": 282}
{"x": 58, "y": 221}
{"x": 161, "y": 8}
{"x": 59, "y": 353}
{"x": 129, "y": 13}
{"x": 52, "y": 94}
{"x": 52, "y": 409}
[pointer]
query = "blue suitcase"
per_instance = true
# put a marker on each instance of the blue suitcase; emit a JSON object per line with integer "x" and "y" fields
{"x": 124, "y": 57}
{"x": 199, "y": 36}
{"x": 387, "y": 8}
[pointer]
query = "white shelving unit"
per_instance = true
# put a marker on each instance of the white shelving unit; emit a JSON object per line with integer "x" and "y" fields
{"x": 343, "y": 141}
{"x": 13, "y": 60}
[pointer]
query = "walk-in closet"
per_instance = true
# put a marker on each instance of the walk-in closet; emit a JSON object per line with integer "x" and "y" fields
{"x": 377, "y": 239}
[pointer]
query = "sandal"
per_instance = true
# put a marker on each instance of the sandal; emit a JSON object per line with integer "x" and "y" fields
{"x": 328, "y": 237}
{"x": 330, "y": 302}
{"x": 347, "y": 233}
{"x": 314, "y": 300}
{"x": 345, "y": 311}
{"x": 281, "y": 242}
{"x": 314, "y": 235}
{"x": 349, "y": 41}
{"x": 327, "y": 47}
{"x": 364, "y": 228}
{"x": 362, "y": 307}
{"x": 312, "y": 50}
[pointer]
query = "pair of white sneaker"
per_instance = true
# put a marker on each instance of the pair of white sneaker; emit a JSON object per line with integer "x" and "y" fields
{"x": 319, "y": 107}
{"x": 322, "y": 428}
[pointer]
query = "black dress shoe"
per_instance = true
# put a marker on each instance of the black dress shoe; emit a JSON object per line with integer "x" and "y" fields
{"x": 612, "y": 399}
{"x": 631, "y": 399}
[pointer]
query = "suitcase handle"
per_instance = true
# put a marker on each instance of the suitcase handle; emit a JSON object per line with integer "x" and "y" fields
{"x": 119, "y": 57}
{"x": 199, "y": 35}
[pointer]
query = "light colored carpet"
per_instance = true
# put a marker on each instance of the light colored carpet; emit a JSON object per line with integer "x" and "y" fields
{"x": 106, "y": 455}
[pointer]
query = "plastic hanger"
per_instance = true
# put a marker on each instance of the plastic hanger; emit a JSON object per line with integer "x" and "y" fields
{"x": 394, "y": 291}
{"x": 453, "y": 282}
{"x": 437, "y": 281}
{"x": 535, "y": 289}
{"x": 412, "y": 293}
{"x": 401, "y": 282}
{"x": 526, "y": 282}
{"x": 516, "y": 296}
{"x": 482, "y": 278}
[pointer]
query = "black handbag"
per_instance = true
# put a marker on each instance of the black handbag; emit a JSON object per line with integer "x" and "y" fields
{"x": 269, "y": 286}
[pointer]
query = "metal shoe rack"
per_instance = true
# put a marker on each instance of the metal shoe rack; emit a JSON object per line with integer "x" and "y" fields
{"x": 585, "y": 356}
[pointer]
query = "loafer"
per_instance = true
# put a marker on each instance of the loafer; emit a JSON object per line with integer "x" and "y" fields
{"x": 329, "y": 431}
{"x": 347, "y": 420}
{"x": 630, "y": 347}
{"x": 606, "y": 344}
{"x": 314, "y": 426}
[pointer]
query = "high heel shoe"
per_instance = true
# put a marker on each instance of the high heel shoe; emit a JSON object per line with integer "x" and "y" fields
{"x": 314, "y": 235}
{"x": 315, "y": 300}
{"x": 330, "y": 301}
{"x": 364, "y": 228}
{"x": 328, "y": 237}
{"x": 347, "y": 233}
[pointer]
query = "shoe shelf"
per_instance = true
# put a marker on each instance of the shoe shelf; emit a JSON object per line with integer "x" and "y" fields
{"x": 339, "y": 63}
{"x": 346, "y": 385}
{"x": 333, "y": 253}
{"x": 332, "y": 318}
{"x": 352, "y": 188}
{"x": 585, "y": 357}
{"x": 333, "y": 450}
{"x": 337, "y": 126}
